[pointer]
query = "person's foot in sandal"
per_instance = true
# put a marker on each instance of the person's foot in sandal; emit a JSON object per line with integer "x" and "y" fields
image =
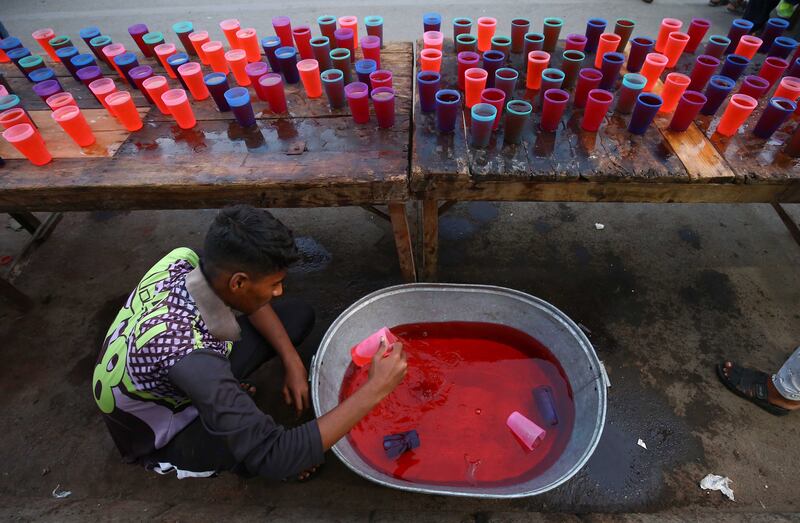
{"x": 715, "y": 3}
{"x": 756, "y": 387}
{"x": 248, "y": 388}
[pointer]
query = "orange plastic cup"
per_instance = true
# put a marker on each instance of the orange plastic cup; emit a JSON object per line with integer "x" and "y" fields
{"x": 60, "y": 100}
{"x": 608, "y": 43}
{"x": 112, "y": 50}
{"x": 486, "y": 28}
{"x": 71, "y": 119}
{"x": 788, "y": 88}
{"x": 164, "y": 51}
{"x": 155, "y": 87}
{"x": 430, "y": 60}
{"x": 192, "y": 75}
{"x": 230, "y": 27}
{"x": 179, "y": 107}
{"x": 676, "y": 43}
{"x": 654, "y": 64}
{"x": 237, "y": 61}
{"x": 198, "y": 38}
{"x": 43, "y": 36}
{"x": 739, "y": 109}
{"x": 309, "y": 74}
{"x": 248, "y": 40}
{"x": 14, "y": 116}
{"x": 29, "y": 142}
{"x": 101, "y": 88}
{"x": 350, "y": 22}
{"x": 537, "y": 62}
{"x": 748, "y": 47}
{"x": 216, "y": 56}
{"x": 474, "y": 84}
{"x": 674, "y": 87}
{"x": 122, "y": 106}
{"x": 668, "y": 25}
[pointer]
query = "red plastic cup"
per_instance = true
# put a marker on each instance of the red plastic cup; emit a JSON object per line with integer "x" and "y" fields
{"x": 555, "y": 102}
{"x": 101, "y": 88}
{"x": 61, "y": 100}
{"x": 497, "y": 98}
{"x": 14, "y": 116}
{"x": 597, "y": 104}
{"x": 654, "y": 64}
{"x": 697, "y": 30}
{"x": 302, "y": 40}
{"x": 748, "y": 47}
{"x": 248, "y": 41}
{"x": 230, "y": 27}
{"x": 383, "y": 100}
{"x": 178, "y": 104}
{"x": 676, "y": 43}
{"x": 215, "y": 54}
{"x": 474, "y": 84}
{"x": 772, "y": 69}
{"x": 192, "y": 75}
{"x": 237, "y": 61}
{"x": 668, "y": 25}
{"x": 739, "y": 109}
{"x": 466, "y": 60}
{"x": 754, "y": 86}
{"x": 674, "y": 87}
{"x": 122, "y": 106}
{"x": 703, "y": 70}
{"x": 350, "y": 22}
{"x": 371, "y": 48}
{"x": 357, "y": 94}
{"x": 309, "y": 75}
{"x": 43, "y": 36}
{"x": 29, "y": 142}
{"x": 155, "y": 87}
{"x": 486, "y": 28}
{"x": 588, "y": 79}
{"x": 198, "y": 38}
{"x": 163, "y": 51}
{"x": 430, "y": 60}
{"x": 789, "y": 87}
{"x": 537, "y": 62}
{"x": 608, "y": 43}
{"x": 71, "y": 119}
{"x": 575, "y": 42}
{"x": 688, "y": 107}
{"x": 112, "y": 50}
{"x": 272, "y": 86}
{"x": 283, "y": 30}
{"x": 433, "y": 40}
{"x": 380, "y": 78}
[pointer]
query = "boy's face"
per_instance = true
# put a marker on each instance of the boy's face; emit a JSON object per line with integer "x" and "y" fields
{"x": 248, "y": 294}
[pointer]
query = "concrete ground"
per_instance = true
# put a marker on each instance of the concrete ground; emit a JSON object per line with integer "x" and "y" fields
{"x": 666, "y": 291}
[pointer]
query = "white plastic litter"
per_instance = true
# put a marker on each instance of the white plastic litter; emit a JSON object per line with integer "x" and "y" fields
{"x": 60, "y": 494}
{"x": 714, "y": 482}
{"x": 641, "y": 444}
{"x": 599, "y": 226}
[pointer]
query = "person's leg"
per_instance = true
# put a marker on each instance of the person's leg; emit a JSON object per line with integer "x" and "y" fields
{"x": 785, "y": 384}
{"x": 250, "y": 352}
{"x": 193, "y": 451}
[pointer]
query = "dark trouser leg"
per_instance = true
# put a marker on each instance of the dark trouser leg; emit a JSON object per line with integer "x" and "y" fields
{"x": 193, "y": 448}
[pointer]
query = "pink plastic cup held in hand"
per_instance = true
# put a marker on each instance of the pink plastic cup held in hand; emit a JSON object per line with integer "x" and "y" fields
{"x": 526, "y": 430}
{"x": 366, "y": 349}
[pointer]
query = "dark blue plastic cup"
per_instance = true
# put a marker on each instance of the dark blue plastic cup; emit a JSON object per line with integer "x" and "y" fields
{"x": 734, "y": 66}
{"x": 594, "y": 28}
{"x": 448, "y": 105}
{"x": 782, "y": 47}
{"x": 640, "y": 48}
{"x": 647, "y": 106}
{"x": 776, "y": 113}
{"x": 719, "y": 87}
{"x": 739, "y": 28}
{"x": 772, "y": 29}
{"x": 428, "y": 84}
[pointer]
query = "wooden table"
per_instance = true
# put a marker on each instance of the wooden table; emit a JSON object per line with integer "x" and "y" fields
{"x": 611, "y": 165}
{"x": 312, "y": 157}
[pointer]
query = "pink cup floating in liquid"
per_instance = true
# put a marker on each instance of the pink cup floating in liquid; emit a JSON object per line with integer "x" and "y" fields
{"x": 526, "y": 430}
{"x": 364, "y": 351}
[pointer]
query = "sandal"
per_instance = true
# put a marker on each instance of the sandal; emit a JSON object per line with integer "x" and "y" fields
{"x": 301, "y": 478}
{"x": 749, "y": 384}
{"x": 715, "y": 3}
{"x": 248, "y": 387}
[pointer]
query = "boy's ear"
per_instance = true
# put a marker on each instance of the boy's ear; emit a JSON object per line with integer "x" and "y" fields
{"x": 237, "y": 281}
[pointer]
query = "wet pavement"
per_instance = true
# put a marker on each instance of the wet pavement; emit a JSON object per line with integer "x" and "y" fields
{"x": 663, "y": 292}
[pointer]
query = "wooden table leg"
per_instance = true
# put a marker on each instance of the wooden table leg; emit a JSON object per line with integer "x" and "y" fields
{"x": 791, "y": 226}
{"x": 402, "y": 240}
{"x": 28, "y": 221}
{"x": 14, "y": 295}
{"x": 430, "y": 239}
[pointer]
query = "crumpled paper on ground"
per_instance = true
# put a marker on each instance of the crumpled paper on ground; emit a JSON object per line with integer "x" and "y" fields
{"x": 60, "y": 494}
{"x": 714, "y": 482}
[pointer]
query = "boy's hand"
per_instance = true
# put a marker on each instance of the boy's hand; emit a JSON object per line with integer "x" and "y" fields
{"x": 295, "y": 387}
{"x": 388, "y": 368}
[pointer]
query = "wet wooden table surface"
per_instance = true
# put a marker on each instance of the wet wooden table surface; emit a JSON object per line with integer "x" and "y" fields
{"x": 610, "y": 165}
{"x": 311, "y": 157}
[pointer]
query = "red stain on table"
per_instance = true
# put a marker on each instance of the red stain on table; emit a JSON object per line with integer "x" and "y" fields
{"x": 463, "y": 381}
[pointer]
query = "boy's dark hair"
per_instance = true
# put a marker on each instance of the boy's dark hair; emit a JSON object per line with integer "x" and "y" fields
{"x": 245, "y": 239}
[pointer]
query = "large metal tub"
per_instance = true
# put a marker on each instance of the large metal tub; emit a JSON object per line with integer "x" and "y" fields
{"x": 430, "y": 302}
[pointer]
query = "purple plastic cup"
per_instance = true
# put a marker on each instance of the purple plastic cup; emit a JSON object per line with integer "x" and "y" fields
{"x": 717, "y": 46}
{"x": 640, "y": 48}
{"x": 775, "y": 114}
{"x": 594, "y": 28}
{"x": 632, "y": 86}
{"x": 704, "y": 68}
{"x": 717, "y": 91}
{"x": 428, "y": 84}
{"x": 645, "y": 110}
{"x": 448, "y": 105}
{"x": 611, "y": 66}
{"x": 688, "y": 106}
{"x": 754, "y": 86}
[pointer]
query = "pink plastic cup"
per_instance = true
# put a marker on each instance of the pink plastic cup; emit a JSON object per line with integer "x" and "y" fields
{"x": 198, "y": 38}
{"x": 101, "y": 88}
{"x": 215, "y": 54}
{"x": 60, "y": 100}
{"x": 163, "y": 51}
{"x": 739, "y": 109}
{"x": 155, "y": 87}
{"x": 668, "y": 25}
{"x": 789, "y": 87}
{"x": 366, "y": 349}
{"x": 676, "y": 43}
{"x": 122, "y": 106}
{"x": 309, "y": 74}
{"x": 748, "y": 46}
{"x": 71, "y": 119}
{"x": 237, "y": 61}
{"x": 230, "y": 27}
{"x": 29, "y": 142}
{"x": 674, "y": 87}
{"x": 380, "y": 78}
{"x": 14, "y": 116}
{"x": 654, "y": 64}
{"x": 179, "y": 108}
{"x": 526, "y": 430}
{"x": 433, "y": 40}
